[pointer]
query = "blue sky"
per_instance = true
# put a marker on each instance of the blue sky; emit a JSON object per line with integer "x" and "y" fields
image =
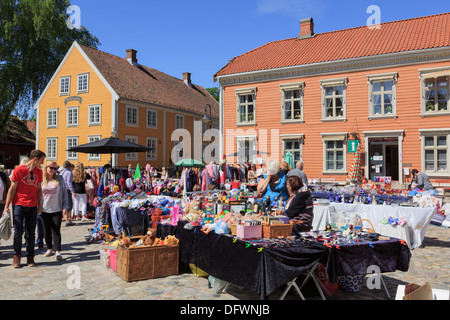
{"x": 200, "y": 36}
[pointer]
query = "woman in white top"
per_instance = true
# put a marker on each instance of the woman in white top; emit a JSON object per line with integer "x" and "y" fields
{"x": 54, "y": 203}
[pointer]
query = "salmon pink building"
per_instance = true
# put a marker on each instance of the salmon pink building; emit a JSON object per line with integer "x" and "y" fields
{"x": 319, "y": 95}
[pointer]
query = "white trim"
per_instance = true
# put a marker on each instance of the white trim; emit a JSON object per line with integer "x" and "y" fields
{"x": 292, "y": 87}
{"x": 77, "y": 118}
{"x": 68, "y": 147}
{"x": 78, "y": 83}
{"x": 90, "y": 157}
{"x": 339, "y": 66}
{"x": 433, "y": 133}
{"x": 155, "y": 158}
{"x": 178, "y": 116}
{"x": 56, "y": 125}
{"x": 334, "y": 136}
{"x": 91, "y": 64}
{"x": 147, "y": 110}
{"x": 325, "y": 83}
{"x": 130, "y": 124}
{"x": 134, "y": 156}
{"x": 380, "y": 134}
{"x": 90, "y": 107}
{"x": 391, "y": 76}
{"x": 64, "y": 78}
{"x": 49, "y": 157}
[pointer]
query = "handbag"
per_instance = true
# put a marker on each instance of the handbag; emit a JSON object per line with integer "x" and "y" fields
{"x": 5, "y": 226}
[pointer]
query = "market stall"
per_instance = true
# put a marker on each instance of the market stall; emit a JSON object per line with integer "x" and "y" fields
{"x": 416, "y": 219}
{"x": 264, "y": 265}
{"x": 233, "y": 236}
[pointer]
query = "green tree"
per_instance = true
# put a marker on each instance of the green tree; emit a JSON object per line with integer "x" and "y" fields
{"x": 34, "y": 37}
{"x": 214, "y": 92}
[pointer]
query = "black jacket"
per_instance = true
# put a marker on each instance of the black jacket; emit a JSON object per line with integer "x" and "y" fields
{"x": 302, "y": 208}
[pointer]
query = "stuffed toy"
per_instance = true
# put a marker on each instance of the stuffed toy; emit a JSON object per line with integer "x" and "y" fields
{"x": 393, "y": 221}
{"x": 384, "y": 220}
{"x": 401, "y": 222}
{"x": 171, "y": 241}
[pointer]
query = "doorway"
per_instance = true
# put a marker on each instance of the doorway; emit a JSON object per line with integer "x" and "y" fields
{"x": 383, "y": 158}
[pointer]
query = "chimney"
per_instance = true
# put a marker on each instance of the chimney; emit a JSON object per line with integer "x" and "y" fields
{"x": 306, "y": 28}
{"x": 131, "y": 57}
{"x": 187, "y": 78}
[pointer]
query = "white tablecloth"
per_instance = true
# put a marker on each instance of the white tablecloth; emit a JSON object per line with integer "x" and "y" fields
{"x": 417, "y": 218}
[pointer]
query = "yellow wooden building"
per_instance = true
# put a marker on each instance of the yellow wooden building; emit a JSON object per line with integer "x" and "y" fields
{"x": 95, "y": 95}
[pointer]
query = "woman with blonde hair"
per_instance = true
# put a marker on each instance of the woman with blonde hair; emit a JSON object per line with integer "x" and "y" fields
{"x": 285, "y": 168}
{"x": 80, "y": 200}
{"x": 54, "y": 202}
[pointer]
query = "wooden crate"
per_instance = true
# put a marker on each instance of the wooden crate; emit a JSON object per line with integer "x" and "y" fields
{"x": 233, "y": 229}
{"x": 146, "y": 262}
{"x": 277, "y": 230}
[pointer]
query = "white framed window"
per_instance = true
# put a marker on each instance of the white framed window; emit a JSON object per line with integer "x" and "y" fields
{"x": 52, "y": 118}
{"x": 131, "y": 156}
{"x": 64, "y": 86}
{"x": 246, "y": 114}
{"x": 94, "y": 156}
{"x": 246, "y": 149}
{"x": 292, "y": 102}
{"x": 152, "y": 119}
{"x": 83, "y": 83}
{"x": 179, "y": 121}
{"x": 382, "y": 95}
{"x": 151, "y": 143}
{"x": 70, "y": 143}
{"x": 72, "y": 116}
{"x": 51, "y": 150}
{"x": 435, "y": 89}
{"x": 334, "y": 153}
{"x": 132, "y": 116}
{"x": 334, "y": 100}
{"x": 435, "y": 151}
{"x": 95, "y": 115}
{"x": 294, "y": 144}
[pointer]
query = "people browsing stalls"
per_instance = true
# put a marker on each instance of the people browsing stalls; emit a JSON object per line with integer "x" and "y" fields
{"x": 298, "y": 171}
{"x": 299, "y": 205}
{"x": 54, "y": 205}
{"x": 25, "y": 195}
{"x": 67, "y": 176}
{"x": 5, "y": 183}
{"x": 79, "y": 185}
{"x": 273, "y": 184}
{"x": 421, "y": 180}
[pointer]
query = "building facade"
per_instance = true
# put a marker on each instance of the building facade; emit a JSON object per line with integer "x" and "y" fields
{"x": 95, "y": 95}
{"x": 319, "y": 95}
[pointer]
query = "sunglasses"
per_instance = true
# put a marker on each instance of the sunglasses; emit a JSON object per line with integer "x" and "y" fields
{"x": 53, "y": 168}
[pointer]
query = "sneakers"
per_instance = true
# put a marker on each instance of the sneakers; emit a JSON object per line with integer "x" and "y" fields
{"x": 78, "y": 218}
{"x": 48, "y": 253}
{"x": 58, "y": 256}
{"x": 85, "y": 218}
{"x": 69, "y": 223}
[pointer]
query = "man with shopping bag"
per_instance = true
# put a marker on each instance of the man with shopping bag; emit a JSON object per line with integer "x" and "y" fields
{"x": 25, "y": 195}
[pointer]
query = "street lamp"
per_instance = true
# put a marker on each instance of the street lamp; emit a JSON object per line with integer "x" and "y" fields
{"x": 207, "y": 118}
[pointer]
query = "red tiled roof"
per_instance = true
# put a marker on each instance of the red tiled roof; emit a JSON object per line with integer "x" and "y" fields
{"x": 397, "y": 36}
{"x": 149, "y": 85}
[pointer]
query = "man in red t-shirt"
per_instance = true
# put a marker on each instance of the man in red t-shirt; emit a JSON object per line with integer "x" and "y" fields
{"x": 25, "y": 195}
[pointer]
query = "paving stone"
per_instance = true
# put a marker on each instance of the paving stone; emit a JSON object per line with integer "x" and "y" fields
{"x": 49, "y": 280}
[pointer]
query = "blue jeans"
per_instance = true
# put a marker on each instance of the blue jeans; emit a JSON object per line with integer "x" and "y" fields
{"x": 25, "y": 219}
{"x": 69, "y": 200}
{"x": 40, "y": 232}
